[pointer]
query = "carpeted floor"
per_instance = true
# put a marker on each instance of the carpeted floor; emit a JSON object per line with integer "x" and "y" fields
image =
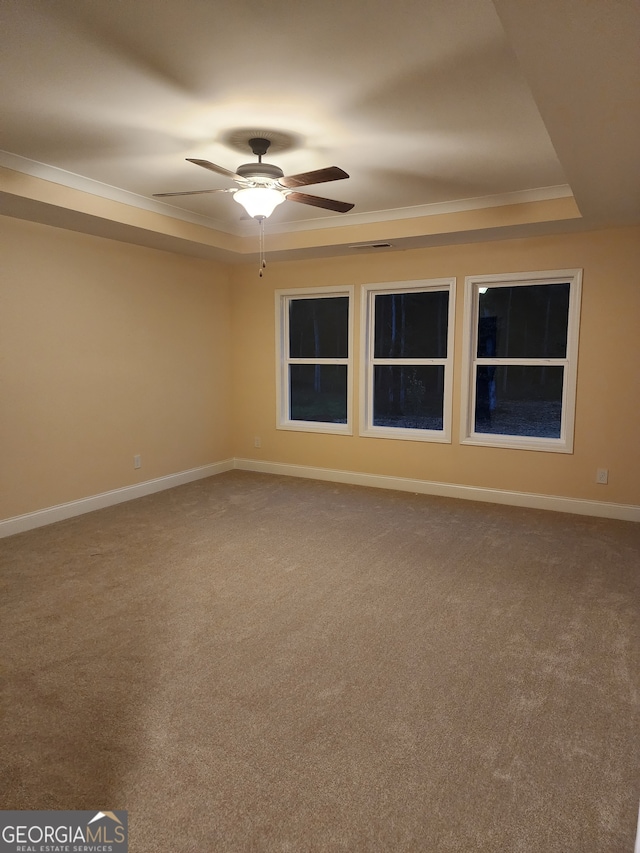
{"x": 260, "y": 663}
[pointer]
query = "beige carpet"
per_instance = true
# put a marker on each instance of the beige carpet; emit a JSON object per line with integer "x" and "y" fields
{"x": 259, "y": 663}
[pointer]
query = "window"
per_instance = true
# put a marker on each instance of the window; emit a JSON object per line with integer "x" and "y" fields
{"x": 407, "y": 330}
{"x": 314, "y": 345}
{"x": 521, "y": 340}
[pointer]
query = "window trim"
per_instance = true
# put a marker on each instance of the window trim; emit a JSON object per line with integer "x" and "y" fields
{"x": 283, "y": 360}
{"x": 563, "y": 444}
{"x": 368, "y": 361}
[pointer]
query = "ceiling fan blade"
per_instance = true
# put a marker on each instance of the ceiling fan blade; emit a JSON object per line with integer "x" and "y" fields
{"x": 191, "y": 192}
{"x": 219, "y": 170}
{"x": 320, "y": 176}
{"x": 317, "y": 201}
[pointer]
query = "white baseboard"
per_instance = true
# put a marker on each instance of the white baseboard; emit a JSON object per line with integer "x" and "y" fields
{"x": 31, "y": 520}
{"x": 49, "y": 515}
{"x": 577, "y": 506}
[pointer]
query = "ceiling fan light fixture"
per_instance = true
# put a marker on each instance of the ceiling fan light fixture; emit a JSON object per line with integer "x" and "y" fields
{"x": 259, "y": 202}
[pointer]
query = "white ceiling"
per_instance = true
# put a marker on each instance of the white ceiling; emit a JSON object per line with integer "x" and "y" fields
{"x": 422, "y": 102}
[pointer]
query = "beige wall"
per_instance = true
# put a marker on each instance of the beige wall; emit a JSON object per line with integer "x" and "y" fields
{"x": 608, "y": 394}
{"x": 109, "y": 349}
{"x": 106, "y": 350}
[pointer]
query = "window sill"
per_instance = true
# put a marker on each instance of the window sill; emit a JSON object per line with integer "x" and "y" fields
{"x": 518, "y": 442}
{"x": 399, "y": 433}
{"x": 315, "y": 426}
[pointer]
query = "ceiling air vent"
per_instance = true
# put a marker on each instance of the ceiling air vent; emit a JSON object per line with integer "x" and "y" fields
{"x": 371, "y": 246}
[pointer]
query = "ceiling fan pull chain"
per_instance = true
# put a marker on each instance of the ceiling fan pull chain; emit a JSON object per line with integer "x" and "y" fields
{"x": 263, "y": 263}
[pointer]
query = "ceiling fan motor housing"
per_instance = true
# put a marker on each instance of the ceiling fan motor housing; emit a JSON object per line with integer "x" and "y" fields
{"x": 259, "y": 170}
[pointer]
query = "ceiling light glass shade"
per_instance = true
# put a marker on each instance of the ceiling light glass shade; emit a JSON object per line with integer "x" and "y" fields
{"x": 259, "y": 201}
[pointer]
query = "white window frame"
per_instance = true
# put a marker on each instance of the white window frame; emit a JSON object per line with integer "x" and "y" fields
{"x": 283, "y": 359}
{"x": 473, "y": 284}
{"x": 368, "y": 362}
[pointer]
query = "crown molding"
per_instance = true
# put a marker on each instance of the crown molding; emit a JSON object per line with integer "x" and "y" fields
{"x": 435, "y": 209}
{"x": 74, "y": 181}
{"x": 97, "y": 188}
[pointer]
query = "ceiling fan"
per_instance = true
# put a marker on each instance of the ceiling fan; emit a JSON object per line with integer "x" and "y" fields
{"x": 264, "y": 186}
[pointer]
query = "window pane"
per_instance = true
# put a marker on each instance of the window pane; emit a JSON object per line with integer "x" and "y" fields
{"x": 411, "y": 325}
{"x": 411, "y": 397}
{"x": 519, "y": 400}
{"x": 318, "y": 392}
{"x": 319, "y": 328}
{"x": 529, "y": 321}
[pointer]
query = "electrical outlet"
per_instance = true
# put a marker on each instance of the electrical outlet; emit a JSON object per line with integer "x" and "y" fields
{"x": 602, "y": 476}
{"x": 137, "y": 461}
{"x": 257, "y": 442}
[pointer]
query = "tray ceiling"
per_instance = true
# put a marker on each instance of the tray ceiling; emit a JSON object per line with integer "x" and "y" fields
{"x": 432, "y": 108}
